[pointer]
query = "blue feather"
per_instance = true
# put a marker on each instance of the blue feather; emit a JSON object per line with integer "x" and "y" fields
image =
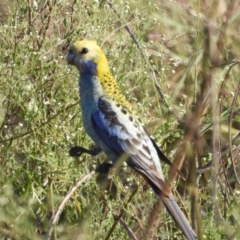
{"x": 89, "y": 68}
{"x": 105, "y": 131}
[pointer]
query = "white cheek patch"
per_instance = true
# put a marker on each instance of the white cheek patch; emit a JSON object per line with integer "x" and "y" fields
{"x": 91, "y": 55}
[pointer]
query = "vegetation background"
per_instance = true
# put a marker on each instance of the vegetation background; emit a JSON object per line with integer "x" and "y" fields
{"x": 194, "y": 49}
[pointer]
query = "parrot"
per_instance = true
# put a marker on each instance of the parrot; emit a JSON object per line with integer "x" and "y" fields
{"x": 109, "y": 120}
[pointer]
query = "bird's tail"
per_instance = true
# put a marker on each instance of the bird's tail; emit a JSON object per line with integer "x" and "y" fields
{"x": 174, "y": 210}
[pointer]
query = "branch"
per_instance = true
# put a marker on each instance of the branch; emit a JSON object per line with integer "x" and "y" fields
{"x": 56, "y": 216}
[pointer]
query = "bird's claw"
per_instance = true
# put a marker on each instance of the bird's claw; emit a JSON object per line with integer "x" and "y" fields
{"x": 77, "y": 151}
{"x": 104, "y": 168}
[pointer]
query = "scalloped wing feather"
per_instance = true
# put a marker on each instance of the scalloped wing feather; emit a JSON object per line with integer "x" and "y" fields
{"x": 123, "y": 133}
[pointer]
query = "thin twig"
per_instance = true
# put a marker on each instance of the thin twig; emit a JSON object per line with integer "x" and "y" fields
{"x": 214, "y": 60}
{"x": 41, "y": 125}
{"x": 224, "y": 149}
{"x": 229, "y": 131}
{"x": 142, "y": 53}
{"x": 120, "y": 215}
{"x": 129, "y": 230}
{"x": 56, "y": 216}
{"x": 152, "y": 220}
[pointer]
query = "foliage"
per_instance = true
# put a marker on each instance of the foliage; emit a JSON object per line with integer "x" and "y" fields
{"x": 194, "y": 50}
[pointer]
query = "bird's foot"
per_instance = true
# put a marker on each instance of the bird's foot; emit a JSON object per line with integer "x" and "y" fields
{"x": 104, "y": 168}
{"x": 77, "y": 151}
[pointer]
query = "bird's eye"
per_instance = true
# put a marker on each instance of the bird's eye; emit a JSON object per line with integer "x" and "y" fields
{"x": 84, "y": 51}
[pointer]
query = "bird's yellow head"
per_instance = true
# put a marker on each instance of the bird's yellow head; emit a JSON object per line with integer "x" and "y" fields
{"x": 90, "y": 60}
{"x": 87, "y": 56}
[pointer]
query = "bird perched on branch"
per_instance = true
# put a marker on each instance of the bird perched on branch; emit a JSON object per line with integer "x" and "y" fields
{"x": 110, "y": 122}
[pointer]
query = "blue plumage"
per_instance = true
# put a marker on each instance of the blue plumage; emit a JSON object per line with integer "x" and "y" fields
{"x": 101, "y": 126}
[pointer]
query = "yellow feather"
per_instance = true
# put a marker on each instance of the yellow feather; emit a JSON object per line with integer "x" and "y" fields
{"x": 103, "y": 73}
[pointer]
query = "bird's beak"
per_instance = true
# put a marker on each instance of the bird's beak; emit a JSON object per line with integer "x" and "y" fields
{"x": 70, "y": 57}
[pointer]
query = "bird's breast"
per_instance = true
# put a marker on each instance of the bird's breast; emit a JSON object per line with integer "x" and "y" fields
{"x": 89, "y": 94}
{"x": 90, "y": 91}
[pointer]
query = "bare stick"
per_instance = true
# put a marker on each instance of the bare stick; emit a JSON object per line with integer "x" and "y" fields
{"x": 142, "y": 53}
{"x": 56, "y": 216}
{"x": 117, "y": 218}
{"x": 229, "y": 132}
{"x": 152, "y": 220}
{"x": 129, "y": 230}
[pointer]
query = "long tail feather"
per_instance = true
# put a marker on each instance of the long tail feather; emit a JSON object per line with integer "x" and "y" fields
{"x": 174, "y": 210}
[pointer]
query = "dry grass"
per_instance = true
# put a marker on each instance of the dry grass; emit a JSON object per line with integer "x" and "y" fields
{"x": 193, "y": 48}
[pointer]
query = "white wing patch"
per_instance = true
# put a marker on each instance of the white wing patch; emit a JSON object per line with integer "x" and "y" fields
{"x": 133, "y": 138}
